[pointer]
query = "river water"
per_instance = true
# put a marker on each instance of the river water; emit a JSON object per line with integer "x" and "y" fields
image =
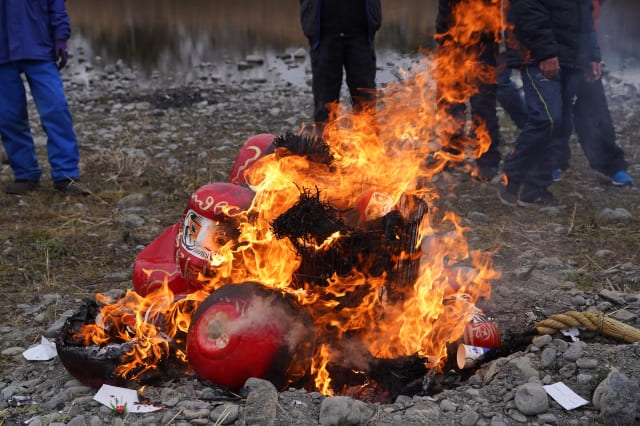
{"x": 172, "y": 38}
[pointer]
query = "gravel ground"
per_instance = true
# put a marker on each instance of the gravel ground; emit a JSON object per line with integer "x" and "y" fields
{"x": 552, "y": 261}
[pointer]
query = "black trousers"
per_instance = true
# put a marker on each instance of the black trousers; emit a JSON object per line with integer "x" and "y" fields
{"x": 482, "y": 104}
{"x": 595, "y": 129}
{"x": 334, "y": 53}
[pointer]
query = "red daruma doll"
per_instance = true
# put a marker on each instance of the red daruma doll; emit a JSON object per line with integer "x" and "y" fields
{"x": 373, "y": 204}
{"x": 253, "y": 149}
{"x": 209, "y": 222}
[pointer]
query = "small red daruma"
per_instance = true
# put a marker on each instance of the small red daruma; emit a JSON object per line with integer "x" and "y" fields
{"x": 373, "y": 204}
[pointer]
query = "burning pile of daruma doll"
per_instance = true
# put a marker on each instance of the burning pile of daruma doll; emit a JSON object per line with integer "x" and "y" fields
{"x": 323, "y": 262}
{"x": 296, "y": 285}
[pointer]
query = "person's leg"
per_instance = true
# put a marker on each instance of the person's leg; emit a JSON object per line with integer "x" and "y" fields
{"x": 510, "y": 98}
{"x": 14, "y": 125}
{"x": 48, "y": 94}
{"x": 360, "y": 67}
{"x": 529, "y": 162}
{"x": 326, "y": 68}
{"x": 483, "y": 109}
{"x": 594, "y": 126}
{"x": 451, "y": 105}
{"x": 560, "y": 151}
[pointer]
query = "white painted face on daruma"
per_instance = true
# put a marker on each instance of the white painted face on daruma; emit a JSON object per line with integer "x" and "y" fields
{"x": 373, "y": 204}
{"x": 209, "y": 222}
{"x": 203, "y": 237}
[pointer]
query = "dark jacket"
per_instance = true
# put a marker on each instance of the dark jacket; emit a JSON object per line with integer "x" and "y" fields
{"x": 444, "y": 19}
{"x": 29, "y": 28}
{"x": 543, "y": 29}
{"x": 310, "y": 13}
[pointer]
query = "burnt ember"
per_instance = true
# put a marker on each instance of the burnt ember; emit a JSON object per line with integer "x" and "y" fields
{"x": 95, "y": 365}
{"x": 312, "y": 148}
{"x": 309, "y": 222}
{"x": 387, "y": 245}
{"x": 383, "y": 380}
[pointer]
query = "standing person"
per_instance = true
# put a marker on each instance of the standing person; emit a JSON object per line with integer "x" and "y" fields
{"x": 556, "y": 44}
{"x": 33, "y": 42}
{"x": 596, "y": 133}
{"x": 593, "y": 124}
{"x": 483, "y": 101}
{"x": 592, "y": 121}
{"x": 341, "y": 36}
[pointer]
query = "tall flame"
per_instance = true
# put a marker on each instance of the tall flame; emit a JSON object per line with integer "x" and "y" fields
{"x": 397, "y": 150}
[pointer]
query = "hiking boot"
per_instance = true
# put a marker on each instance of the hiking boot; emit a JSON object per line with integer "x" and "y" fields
{"x": 621, "y": 178}
{"x": 541, "y": 198}
{"x": 508, "y": 194}
{"x": 21, "y": 186}
{"x": 70, "y": 187}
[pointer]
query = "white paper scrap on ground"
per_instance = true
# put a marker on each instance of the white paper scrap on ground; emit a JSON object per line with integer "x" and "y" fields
{"x": 44, "y": 351}
{"x": 571, "y": 332}
{"x": 565, "y": 396}
{"x": 112, "y": 396}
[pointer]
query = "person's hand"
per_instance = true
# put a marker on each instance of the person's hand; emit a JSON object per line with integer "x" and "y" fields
{"x": 60, "y": 53}
{"x": 550, "y": 67}
{"x": 594, "y": 72}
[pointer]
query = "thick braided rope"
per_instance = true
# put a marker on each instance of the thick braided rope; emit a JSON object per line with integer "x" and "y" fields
{"x": 595, "y": 322}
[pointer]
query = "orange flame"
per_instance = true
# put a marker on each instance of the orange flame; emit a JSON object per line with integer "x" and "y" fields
{"x": 396, "y": 150}
{"x": 319, "y": 370}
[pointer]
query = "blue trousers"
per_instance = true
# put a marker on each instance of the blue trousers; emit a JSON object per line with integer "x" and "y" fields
{"x": 545, "y": 135}
{"x": 48, "y": 94}
{"x": 510, "y": 98}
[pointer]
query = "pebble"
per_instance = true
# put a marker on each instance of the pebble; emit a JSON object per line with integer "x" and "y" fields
{"x": 612, "y": 296}
{"x": 608, "y": 215}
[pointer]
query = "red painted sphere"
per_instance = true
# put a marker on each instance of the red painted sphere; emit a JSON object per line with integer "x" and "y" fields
{"x": 242, "y": 331}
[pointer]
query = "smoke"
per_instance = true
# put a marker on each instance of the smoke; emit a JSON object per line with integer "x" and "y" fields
{"x": 274, "y": 316}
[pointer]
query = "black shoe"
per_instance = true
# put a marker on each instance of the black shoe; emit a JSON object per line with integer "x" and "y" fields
{"x": 485, "y": 173}
{"x": 70, "y": 187}
{"x": 541, "y": 198}
{"x": 509, "y": 194}
{"x": 21, "y": 187}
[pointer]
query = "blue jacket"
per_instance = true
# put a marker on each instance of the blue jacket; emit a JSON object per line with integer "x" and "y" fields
{"x": 310, "y": 12}
{"x": 29, "y": 28}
